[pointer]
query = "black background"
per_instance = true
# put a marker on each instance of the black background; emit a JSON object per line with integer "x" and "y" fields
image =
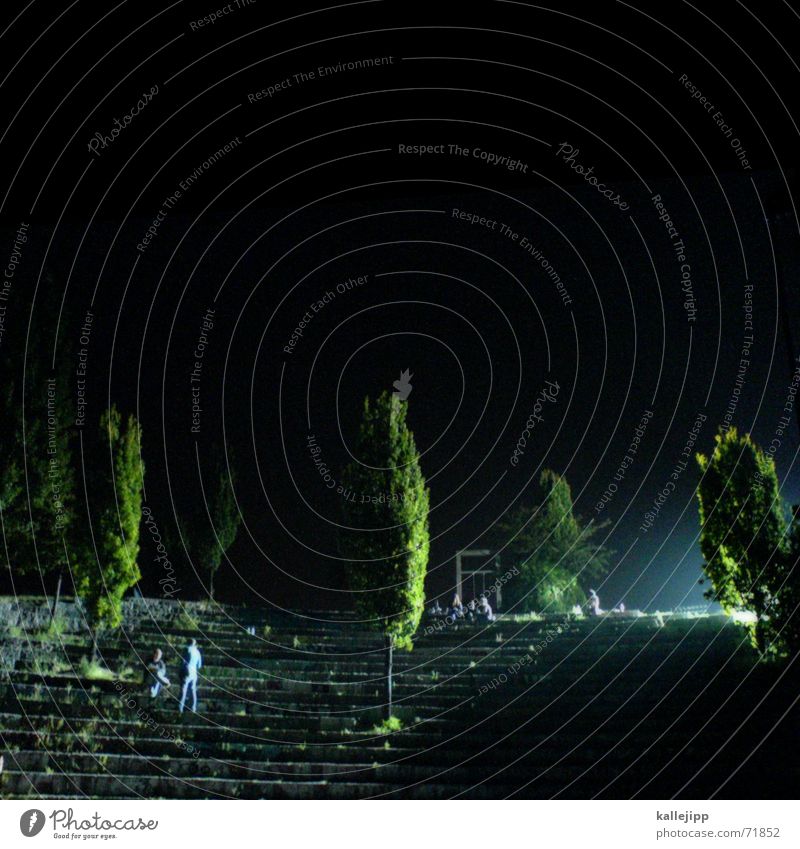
{"x": 317, "y": 193}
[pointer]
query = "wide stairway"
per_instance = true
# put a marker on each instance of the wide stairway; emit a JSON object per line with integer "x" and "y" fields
{"x": 615, "y": 707}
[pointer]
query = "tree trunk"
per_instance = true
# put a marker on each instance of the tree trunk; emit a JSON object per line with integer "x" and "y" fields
{"x": 54, "y": 611}
{"x": 211, "y": 585}
{"x": 389, "y": 659}
{"x": 95, "y": 649}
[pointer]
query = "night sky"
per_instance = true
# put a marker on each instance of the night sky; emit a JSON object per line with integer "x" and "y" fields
{"x": 498, "y": 197}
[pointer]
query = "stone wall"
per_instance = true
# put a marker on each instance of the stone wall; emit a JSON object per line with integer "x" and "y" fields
{"x": 31, "y": 614}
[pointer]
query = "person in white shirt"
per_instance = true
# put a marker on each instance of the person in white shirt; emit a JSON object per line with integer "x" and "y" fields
{"x": 192, "y": 662}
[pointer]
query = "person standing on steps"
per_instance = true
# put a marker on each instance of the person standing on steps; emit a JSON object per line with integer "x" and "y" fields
{"x": 191, "y": 663}
{"x": 158, "y": 673}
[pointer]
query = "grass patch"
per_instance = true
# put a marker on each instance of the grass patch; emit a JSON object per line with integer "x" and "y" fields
{"x": 129, "y": 674}
{"x": 55, "y": 630}
{"x": 523, "y": 617}
{"x": 92, "y": 670}
{"x": 52, "y": 632}
{"x": 51, "y": 666}
{"x": 185, "y": 622}
{"x": 388, "y": 726}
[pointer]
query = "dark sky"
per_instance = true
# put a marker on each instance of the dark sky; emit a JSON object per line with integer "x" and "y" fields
{"x": 316, "y": 190}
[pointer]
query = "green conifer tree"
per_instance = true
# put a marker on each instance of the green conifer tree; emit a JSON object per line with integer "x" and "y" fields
{"x": 115, "y": 507}
{"x": 743, "y": 532}
{"x": 386, "y": 540}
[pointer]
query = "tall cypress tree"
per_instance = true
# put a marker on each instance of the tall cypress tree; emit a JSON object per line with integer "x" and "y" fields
{"x": 386, "y": 540}
{"x": 115, "y": 505}
{"x": 743, "y": 532}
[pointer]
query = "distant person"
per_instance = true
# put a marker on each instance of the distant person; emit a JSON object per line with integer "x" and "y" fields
{"x": 594, "y": 603}
{"x": 435, "y": 609}
{"x": 158, "y": 673}
{"x": 191, "y": 663}
{"x": 485, "y": 613}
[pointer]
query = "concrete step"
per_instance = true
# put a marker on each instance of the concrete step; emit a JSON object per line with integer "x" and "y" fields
{"x": 292, "y": 715}
{"x": 80, "y": 785}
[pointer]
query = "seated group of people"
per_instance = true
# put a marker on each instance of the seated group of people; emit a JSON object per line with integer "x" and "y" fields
{"x": 481, "y": 611}
{"x": 191, "y": 662}
{"x": 477, "y": 610}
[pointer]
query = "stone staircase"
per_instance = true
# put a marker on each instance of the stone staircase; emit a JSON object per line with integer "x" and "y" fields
{"x": 613, "y": 707}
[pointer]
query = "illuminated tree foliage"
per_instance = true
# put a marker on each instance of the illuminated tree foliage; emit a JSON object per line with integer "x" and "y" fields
{"x": 743, "y": 534}
{"x": 789, "y": 595}
{"x": 115, "y": 502}
{"x": 555, "y": 551}
{"x": 386, "y": 540}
